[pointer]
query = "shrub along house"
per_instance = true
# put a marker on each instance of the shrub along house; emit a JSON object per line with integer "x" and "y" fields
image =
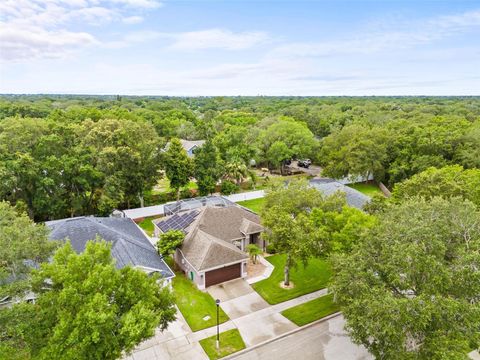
{"x": 216, "y": 238}
{"x": 130, "y": 246}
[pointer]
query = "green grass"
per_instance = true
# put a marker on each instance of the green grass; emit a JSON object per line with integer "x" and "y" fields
{"x": 312, "y": 310}
{"x": 195, "y": 304}
{"x": 230, "y": 342}
{"x": 147, "y": 225}
{"x": 367, "y": 189}
{"x": 305, "y": 279}
{"x": 163, "y": 186}
{"x": 254, "y": 205}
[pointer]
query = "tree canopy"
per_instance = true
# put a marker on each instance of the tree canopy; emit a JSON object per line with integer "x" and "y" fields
{"x": 178, "y": 166}
{"x": 410, "y": 289}
{"x": 86, "y": 308}
{"x": 23, "y": 245}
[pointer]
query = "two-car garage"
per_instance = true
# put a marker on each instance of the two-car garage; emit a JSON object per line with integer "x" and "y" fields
{"x": 223, "y": 274}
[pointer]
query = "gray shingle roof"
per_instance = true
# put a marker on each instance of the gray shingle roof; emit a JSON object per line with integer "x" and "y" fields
{"x": 130, "y": 246}
{"x": 329, "y": 186}
{"x": 226, "y": 223}
{"x": 210, "y": 235}
{"x": 205, "y": 251}
{"x": 189, "y": 144}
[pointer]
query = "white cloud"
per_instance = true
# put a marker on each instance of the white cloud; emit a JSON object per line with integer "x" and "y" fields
{"x": 131, "y": 20}
{"x": 20, "y": 44}
{"x": 217, "y": 38}
{"x": 397, "y": 36}
{"x": 147, "y": 4}
{"x": 196, "y": 40}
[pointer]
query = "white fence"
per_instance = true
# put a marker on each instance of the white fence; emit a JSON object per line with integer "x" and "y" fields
{"x": 158, "y": 210}
{"x": 251, "y": 195}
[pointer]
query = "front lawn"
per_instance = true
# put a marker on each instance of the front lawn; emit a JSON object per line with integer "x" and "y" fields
{"x": 305, "y": 279}
{"x": 230, "y": 342}
{"x": 254, "y": 205}
{"x": 195, "y": 305}
{"x": 367, "y": 189}
{"x": 312, "y": 310}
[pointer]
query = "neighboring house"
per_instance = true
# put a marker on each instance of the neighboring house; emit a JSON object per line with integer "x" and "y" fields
{"x": 330, "y": 186}
{"x": 130, "y": 245}
{"x": 191, "y": 145}
{"x": 216, "y": 238}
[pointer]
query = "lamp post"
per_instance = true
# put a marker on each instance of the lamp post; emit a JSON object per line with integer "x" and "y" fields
{"x": 218, "y": 334}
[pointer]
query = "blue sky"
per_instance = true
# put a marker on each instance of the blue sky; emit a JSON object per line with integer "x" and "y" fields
{"x": 154, "y": 47}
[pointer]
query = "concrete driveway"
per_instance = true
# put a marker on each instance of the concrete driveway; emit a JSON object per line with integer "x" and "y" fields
{"x": 256, "y": 320}
{"x": 237, "y": 298}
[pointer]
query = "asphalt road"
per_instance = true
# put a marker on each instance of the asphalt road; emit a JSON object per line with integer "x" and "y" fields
{"x": 322, "y": 341}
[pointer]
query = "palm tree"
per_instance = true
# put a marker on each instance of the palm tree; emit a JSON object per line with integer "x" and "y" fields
{"x": 253, "y": 251}
{"x": 236, "y": 170}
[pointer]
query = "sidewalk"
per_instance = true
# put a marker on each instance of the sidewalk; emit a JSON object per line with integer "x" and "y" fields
{"x": 179, "y": 342}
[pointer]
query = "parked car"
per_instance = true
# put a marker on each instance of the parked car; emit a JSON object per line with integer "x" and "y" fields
{"x": 305, "y": 163}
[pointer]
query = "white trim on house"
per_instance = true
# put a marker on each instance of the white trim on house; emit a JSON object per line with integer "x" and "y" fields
{"x": 146, "y": 268}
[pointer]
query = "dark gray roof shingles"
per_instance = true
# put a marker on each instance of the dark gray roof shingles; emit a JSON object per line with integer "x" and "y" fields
{"x": 130, "y": 246}
{"x": 329, "y": 186}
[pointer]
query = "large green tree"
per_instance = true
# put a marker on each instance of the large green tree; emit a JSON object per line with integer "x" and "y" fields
{"x": 355, "y": 150}
{"x": 23, "y": 245}
{"x": 178, "y": 166}
{"x": 286, "y": 215}
{"x": 338, "y": 226}
{"x": 288, "y": 137}
{"x": 88, "y": 309}
{"x": 411, "y": 287}
{"x": 127, "y": 153}
{"x": 446, "y": 182}
{"x": 208, "y": 168}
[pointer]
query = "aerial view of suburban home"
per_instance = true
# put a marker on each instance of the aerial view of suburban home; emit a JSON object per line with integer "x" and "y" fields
{"x": 239, "y": 180}
{"x": 214, "y": 249}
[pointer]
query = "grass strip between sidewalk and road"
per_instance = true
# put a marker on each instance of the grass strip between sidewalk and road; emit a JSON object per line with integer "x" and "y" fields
{"x": 312, "y": 310}
{"x": 230, "y": 342}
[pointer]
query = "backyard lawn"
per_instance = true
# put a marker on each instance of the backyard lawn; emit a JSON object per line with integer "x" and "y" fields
{"x": 163, "y": 186}
{"x": 230, "y": 342}
{"x": 254, "y": 205}
{"x": 195, "y": 305}
{"x": 367, "y": 189}
{"x": 312, "y": 310}
{"x": 305, "y": 279}
{"x": 147, "y": 225}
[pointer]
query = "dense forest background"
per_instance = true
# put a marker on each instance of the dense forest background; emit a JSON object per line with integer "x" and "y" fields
{"x": 66, "y": 156}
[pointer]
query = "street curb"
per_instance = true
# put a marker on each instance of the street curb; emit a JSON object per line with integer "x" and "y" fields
{"x": 244, "y": 351}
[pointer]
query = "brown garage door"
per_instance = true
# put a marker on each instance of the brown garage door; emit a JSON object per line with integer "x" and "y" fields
{"x": 223, "y": 274}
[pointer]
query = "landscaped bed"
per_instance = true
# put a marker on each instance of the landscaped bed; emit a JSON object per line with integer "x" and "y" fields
{"x": 195, "y": 305}
{"x": 312, "y": 310}
{"x": 230, "y": 342}
{"x": 305, "y": 279}
{"x": 254, "y": 205}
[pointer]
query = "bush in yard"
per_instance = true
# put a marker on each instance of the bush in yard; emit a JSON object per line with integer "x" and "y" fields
{"x": 169, "y": 242}
{"x": 271, "y": 249}
{"x": 228, "y": 187}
